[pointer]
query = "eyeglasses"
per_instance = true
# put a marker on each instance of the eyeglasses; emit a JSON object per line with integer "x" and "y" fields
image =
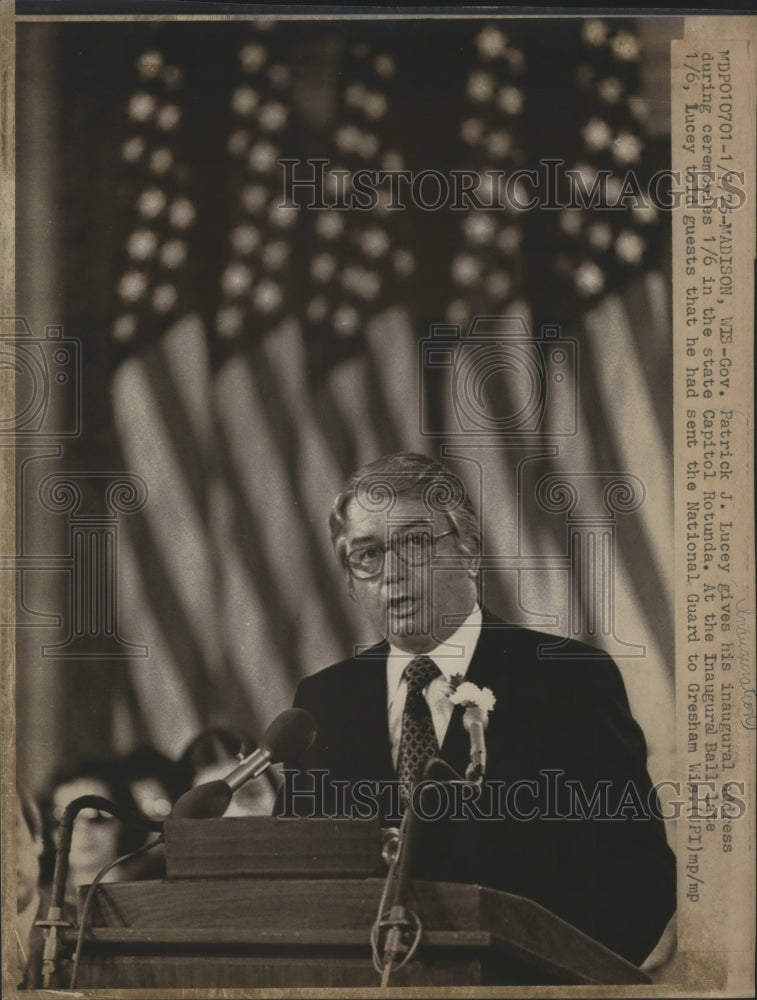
{"x": 414, "y": 548}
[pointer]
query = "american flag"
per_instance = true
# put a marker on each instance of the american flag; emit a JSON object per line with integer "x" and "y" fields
{"x": 260, "y": 352}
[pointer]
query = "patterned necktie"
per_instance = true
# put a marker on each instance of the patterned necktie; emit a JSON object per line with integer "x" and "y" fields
{"x": 418, "y": 740}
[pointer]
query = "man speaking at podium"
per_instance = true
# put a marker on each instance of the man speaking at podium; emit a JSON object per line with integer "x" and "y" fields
{"x": 566, "y": 814}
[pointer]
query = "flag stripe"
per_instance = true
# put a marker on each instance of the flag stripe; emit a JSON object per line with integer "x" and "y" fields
{"x": 174, "y": 674}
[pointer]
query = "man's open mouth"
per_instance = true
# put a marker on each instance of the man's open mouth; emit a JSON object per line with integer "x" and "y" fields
{"x": 402, "y": 606}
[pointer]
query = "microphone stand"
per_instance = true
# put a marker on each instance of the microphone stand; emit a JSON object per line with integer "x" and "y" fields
{"x": 55, "y": 917}
{"x": 400, "y": 920}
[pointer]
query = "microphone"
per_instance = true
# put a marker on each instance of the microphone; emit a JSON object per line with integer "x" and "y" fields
{"x": 475, "y": 721}
{"x": 289, "y": 735}
{"x": 55, "y": 913}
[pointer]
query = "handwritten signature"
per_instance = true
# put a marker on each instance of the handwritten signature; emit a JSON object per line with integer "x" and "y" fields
{"x": 745, "y": 634}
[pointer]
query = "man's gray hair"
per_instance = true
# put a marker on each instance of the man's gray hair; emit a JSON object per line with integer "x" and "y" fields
{"x": 414, "y": 475}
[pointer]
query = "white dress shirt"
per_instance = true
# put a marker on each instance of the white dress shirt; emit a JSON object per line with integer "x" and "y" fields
{"x": 452, "y": 657}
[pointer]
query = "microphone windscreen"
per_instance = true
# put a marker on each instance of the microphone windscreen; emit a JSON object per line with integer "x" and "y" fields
{"x": 207, "y": 801}
{"x": 290, "y": 735}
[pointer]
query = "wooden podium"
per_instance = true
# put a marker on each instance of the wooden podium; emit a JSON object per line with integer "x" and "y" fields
{"x": 265, "y": 903}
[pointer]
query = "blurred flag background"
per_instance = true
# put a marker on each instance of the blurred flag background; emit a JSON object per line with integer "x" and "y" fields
{"x": 243, "y": 354}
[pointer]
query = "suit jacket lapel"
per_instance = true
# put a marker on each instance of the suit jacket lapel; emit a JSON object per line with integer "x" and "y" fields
{"x": 486, "y": 657}
{"x": 372, "y": 714}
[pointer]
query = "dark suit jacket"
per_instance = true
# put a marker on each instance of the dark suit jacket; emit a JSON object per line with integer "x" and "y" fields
{"x": 568, "y": 717}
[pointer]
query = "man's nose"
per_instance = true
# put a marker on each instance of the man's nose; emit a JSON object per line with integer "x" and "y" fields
{"x": 394, "y": 567}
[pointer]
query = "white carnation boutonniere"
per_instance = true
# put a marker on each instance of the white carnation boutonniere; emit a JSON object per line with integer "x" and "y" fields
{"x": 478, "y": 703}
{"x": 469, "y": 695}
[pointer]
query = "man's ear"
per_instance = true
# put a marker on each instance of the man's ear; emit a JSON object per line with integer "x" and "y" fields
{"x": 349, "y": 582}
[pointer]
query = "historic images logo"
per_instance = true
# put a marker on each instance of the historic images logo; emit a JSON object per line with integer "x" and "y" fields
{"x": 44, "y": 379}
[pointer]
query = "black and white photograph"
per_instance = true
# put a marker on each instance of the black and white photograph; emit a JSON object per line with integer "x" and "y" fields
{"x": 378, "y": 607}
